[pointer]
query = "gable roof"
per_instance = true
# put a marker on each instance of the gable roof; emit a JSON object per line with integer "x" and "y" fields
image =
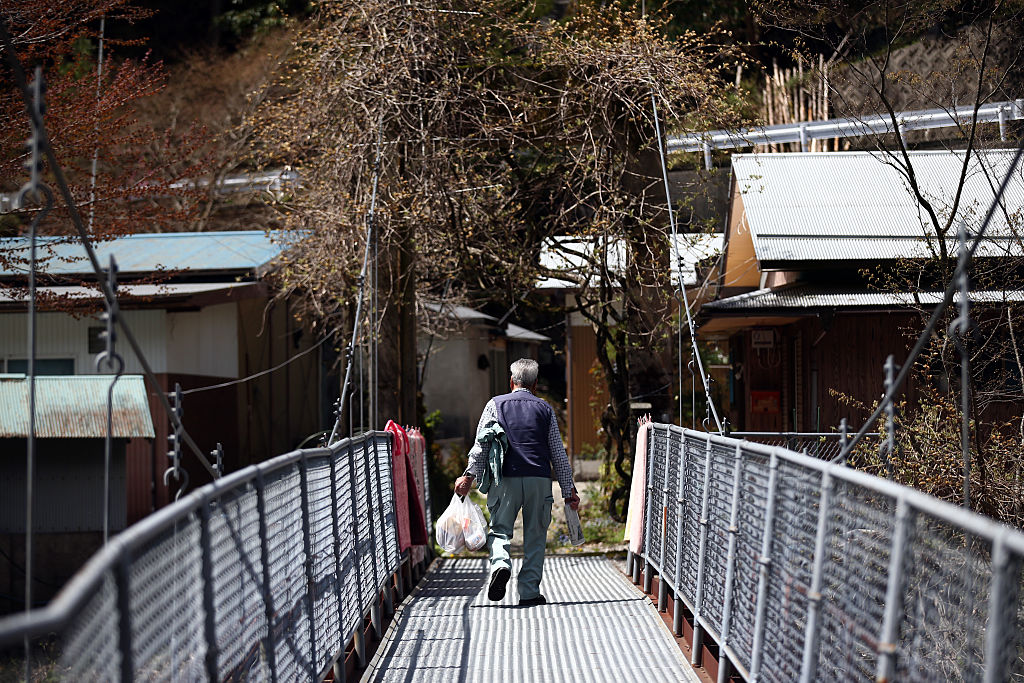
{"x": 858, "y": 206}
{"x": 231, "y": 252}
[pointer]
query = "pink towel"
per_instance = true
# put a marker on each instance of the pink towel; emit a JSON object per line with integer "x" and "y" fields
{"x": 637, "y": 492}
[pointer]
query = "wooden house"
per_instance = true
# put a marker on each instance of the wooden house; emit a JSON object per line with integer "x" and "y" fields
{"x": 204, "y": 320}
{"x": 800, "y": 320}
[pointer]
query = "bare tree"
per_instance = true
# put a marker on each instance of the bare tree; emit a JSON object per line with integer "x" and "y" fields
{"x": 496, "y": 131}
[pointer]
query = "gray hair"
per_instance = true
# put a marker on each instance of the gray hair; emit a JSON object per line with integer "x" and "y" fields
{"x": 524, "y": 372}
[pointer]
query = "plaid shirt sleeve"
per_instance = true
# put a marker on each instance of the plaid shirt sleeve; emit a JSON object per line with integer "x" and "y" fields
{"x": 559, "y": 459}
{"x": 477, "y": 457}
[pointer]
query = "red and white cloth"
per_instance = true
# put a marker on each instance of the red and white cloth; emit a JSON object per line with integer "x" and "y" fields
{"x": 638, "y": 490}
{"x": 412, "y": 527}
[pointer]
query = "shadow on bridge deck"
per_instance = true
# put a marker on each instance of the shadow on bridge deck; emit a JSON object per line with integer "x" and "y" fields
{"x": 596, "y": 627}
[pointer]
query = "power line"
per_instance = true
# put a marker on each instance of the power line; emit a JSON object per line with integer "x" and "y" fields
{"x": 682, "y": 287}
{"x": 257, "y": 375}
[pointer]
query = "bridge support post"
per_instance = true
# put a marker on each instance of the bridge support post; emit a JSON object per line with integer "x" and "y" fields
{"x": 698, "y": 630}
{"x": 359, "y": 645}
{"x": 760, "y": 612}
{"x": 122, "y": 580}
{"x": 730, "y": 567}
{"x": 339, "y": 671}
{"x": 307, "y": 545}
{"x": 358, "y": 637}
{"x": 1003, "y": 591}
{"x": 677, "y": 613}
{"x": 377, "y": 619}
{"x": 209, "y": 622}
{"x": 809, "y": 668}
{"x": 662, "y": 584}
{"x": 269, "y": 648}
{"x": 893, "y": 614}
{"x": 648, "y": 519}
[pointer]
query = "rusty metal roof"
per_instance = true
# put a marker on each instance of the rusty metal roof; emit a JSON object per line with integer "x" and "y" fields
{"x": 75, "y": 407}
{"x": 858, "y": 206}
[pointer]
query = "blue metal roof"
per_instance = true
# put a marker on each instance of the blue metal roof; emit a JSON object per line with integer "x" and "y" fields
{"x": 242, "y": 251}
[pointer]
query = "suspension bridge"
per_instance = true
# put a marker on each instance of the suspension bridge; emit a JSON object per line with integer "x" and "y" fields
{"x": 751, "y": 562}
{"x": 756, "y": 563}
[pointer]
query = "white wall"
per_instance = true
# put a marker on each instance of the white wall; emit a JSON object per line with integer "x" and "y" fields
{"x": 455, "y": 385}
{"x": 203, "y": 342}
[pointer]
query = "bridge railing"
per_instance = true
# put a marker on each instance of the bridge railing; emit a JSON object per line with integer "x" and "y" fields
{"x": 822, "y": 445}
{"x": 799, "y": 569}
{"x": 268, "y": 572}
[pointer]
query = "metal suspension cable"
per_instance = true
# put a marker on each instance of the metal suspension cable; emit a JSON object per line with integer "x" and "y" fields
{"x": 925, "y": 336}
{"x": 360, "y": 292}
{"x": 682, "y": 286}
{"x": 96, "y": 123}
{"x": 41, "y": 193}
{"x": 76, "y": 220}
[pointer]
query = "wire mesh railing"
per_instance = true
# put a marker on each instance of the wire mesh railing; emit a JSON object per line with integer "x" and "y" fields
{"x": 824, "y": 445}
{"x": 266, "y": 573}
{"x": 801, "y": 569}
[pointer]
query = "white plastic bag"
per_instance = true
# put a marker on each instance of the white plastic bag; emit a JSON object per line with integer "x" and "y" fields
{"x": 461, "y": 526}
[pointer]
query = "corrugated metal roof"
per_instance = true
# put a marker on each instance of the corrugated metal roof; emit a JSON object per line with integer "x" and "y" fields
{"x": 800, "y": 298}
{"x": 140, "y": 291}
{"x": 522, "y": 334}
{"x": 75, "y": 407}
{"x": 243, "y": 251}
{"x": 571, "y": 256}
{"x": 859, "y": 206}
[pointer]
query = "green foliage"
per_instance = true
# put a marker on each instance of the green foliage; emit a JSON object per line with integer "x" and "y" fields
{"x": 248, "y": 18}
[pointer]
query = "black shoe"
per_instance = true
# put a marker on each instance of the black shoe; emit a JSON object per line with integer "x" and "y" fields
{"x": 496, "y": 589}
{"x": 530, "y": 602}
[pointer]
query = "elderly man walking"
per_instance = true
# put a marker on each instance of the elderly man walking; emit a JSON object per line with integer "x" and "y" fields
{"x": 523, "y": 481}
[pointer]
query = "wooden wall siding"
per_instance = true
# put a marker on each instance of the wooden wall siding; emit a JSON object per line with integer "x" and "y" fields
{"x": 582, "y": 417}
{"x": 741, "y": 268}
{"x": 850, "y": 359}
{"x": 275, "y": 411}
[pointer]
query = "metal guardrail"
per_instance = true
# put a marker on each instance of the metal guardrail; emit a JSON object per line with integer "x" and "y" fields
{"x": 824, "y": 445}
{"x": 801, "y": 569}
{"x": 877, "y": 124}
{"x": 267, "y": 573}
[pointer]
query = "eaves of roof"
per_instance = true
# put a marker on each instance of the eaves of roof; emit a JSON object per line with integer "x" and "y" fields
{"x": 809, "y": 300}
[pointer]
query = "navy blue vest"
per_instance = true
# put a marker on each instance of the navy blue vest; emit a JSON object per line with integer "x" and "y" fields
{"x": 526, "y": 420}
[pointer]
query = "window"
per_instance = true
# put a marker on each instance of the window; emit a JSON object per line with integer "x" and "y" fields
{"x": 44, "y": 366}
{"x": 96, "y": 342}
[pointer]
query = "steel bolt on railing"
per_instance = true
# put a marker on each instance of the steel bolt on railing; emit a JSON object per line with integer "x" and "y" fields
{"x": 843, "y": 555}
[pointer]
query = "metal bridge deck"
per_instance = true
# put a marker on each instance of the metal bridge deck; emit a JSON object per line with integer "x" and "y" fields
{"x": 596, "y": 627}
